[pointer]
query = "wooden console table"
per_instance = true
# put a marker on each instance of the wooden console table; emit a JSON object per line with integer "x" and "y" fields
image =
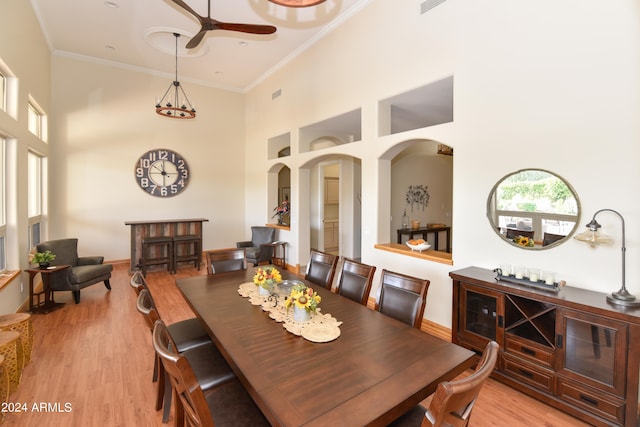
{"x": 572, "y": 349}
{"x": 160, "y": 227}
{"x": 424, "y": 231}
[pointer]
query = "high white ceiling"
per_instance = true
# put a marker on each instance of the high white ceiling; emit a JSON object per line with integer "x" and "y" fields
{"x": 139, "y": 34}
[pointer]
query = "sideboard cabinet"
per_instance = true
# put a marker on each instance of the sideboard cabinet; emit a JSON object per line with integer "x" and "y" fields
{"x": 570, "y": 349}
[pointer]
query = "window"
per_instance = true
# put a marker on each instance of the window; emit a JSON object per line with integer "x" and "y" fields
{"x": 35, "y": 193}
{"x": 3, "y": 92}
{"x": 3, "y": 213}
{"x": 37, "y": 120}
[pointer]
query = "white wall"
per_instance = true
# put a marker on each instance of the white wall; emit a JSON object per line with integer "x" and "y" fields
{"x": 104, "y": 120}
{"x": 551, "y": 85}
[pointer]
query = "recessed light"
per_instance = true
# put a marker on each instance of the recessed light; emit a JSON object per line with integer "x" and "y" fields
{"x": 111, "y": 4}
{"x": 243, "y": 44}
{"x": 218, "y": 73}
{"x": 109, "y": 47}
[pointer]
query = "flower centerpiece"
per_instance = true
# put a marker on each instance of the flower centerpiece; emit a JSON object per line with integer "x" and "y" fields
{"x": 523, "y": 241}
{"x": 282, "y": 212}
{"x": 304, "y": 301}
{"x": 266, "y": 278}
{"x": 43, "y": 259}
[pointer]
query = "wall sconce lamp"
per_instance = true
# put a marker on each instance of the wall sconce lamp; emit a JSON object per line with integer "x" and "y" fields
{"x": 594, "y": 238}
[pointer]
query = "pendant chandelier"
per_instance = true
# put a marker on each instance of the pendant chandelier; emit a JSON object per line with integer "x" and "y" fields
{"x": 297, "y": 3}
{"x": 175, "y": 103}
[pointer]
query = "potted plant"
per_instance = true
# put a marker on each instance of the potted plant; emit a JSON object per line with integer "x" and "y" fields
{"x": 43, "y": 259}
{"x": 304, "y": 301}
{"x": 266, "y": 278}
{"x": 282, "y": 212}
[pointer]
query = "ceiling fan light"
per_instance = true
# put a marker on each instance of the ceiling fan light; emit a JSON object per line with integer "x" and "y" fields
{"x": 297, "y": 3}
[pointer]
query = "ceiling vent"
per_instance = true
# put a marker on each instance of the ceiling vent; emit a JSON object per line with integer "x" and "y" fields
{"x": 427, "y": 5}
{"x": 276, "y": 94}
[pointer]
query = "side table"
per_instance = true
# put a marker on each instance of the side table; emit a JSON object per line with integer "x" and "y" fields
{"x": 48, "y": 304}
{"x": 278, "y": 256}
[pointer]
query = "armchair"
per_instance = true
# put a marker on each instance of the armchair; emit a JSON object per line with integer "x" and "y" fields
{"x": 84, "y": 271}
{"x": 256, "y": 252}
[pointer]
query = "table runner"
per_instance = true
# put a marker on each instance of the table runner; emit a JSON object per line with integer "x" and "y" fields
{"x": 322, "y": 327}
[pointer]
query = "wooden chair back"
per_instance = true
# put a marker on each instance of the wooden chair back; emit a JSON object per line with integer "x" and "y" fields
{"x": 403, "y": 297}
{"x": 147, "y": 308}
{"x": 453, "y": 400}
{"x": 355, "y": 281}
{"x": 512, "y": 232}
{"x": 138, "y": 282}
{"x": 321, "y": 268}
{"x": 223, "y": 260}
{"x": 191, "y": 404}
{"x": 550, "y": 238}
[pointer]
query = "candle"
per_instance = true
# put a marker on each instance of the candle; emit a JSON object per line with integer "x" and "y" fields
{"x": 549, "y": 278}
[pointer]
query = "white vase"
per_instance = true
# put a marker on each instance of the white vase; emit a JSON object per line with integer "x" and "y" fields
{"x": 300, "y": 314}
{"x": 263, "y": 291}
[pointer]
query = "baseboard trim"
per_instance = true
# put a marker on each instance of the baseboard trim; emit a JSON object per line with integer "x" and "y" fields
{"x": 436, "y": 329}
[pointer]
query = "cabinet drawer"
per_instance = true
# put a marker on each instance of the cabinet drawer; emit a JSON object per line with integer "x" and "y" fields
{"x": 533, "y": 353}
{"x": 596, "y": 402}
{"x": 532, "y": 375}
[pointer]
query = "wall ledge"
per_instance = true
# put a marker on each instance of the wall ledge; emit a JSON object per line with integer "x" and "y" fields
{"x": 279, "y": 227}
{"x": 429, "y": 255}
{"x": 7, "y": 277}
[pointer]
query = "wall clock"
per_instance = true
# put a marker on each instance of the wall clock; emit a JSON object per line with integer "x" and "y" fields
{"x": 162, "y": 172}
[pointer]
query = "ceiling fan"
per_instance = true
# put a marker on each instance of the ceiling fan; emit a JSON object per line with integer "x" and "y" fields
{"x": 209, "y": 24}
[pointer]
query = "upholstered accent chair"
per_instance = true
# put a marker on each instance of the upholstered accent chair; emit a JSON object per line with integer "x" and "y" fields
{"x": 84, "y": 271}
{"x": 256, "y": 249}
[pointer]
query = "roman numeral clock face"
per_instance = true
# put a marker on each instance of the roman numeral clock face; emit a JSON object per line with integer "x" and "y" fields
{"x": 162, "y": 173}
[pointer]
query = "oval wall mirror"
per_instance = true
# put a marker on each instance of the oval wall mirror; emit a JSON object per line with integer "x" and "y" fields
{"x": 533, "y": 209}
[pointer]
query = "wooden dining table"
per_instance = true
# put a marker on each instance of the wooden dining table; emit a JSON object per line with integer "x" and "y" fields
{"x": 376, "y": 370}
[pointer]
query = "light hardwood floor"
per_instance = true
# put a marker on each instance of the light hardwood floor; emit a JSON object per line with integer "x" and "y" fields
{"x": 96, "y": 358}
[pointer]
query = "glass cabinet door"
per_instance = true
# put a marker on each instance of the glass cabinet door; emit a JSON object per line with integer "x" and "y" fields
{"x": 480, "y": 314}
{"x": 592, "y": 349}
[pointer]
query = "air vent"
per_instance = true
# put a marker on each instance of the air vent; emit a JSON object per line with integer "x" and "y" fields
{"x": 428, "y": 5}
{"x": 276, "y": 94}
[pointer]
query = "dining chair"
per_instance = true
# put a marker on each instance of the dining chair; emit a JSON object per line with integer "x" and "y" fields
{"x": 138, "y": 282}
{"x": 224, "y": 260}
{"x": 355, "y": 281}
{"x": 513, "y": 232}
{"x": 321, "y": 268}
{"x": 453, "y": 401}
{"x": 549, "y": 238}
{"x": 403, "y": 297}
{"x": 207, "y": 362}
{"x": 227, "y": 405}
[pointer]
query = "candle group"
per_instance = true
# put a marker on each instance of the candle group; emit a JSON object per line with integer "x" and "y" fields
{"x": 530, "y": 273}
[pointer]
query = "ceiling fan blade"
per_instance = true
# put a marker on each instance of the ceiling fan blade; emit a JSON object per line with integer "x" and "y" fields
{"x": 246, "y": 28}
{"x": 195, "y": 41}
{"x": 188, "y": 9}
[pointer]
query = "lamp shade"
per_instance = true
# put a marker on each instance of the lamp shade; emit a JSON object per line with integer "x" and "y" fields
{"x": 594, "y": 238}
